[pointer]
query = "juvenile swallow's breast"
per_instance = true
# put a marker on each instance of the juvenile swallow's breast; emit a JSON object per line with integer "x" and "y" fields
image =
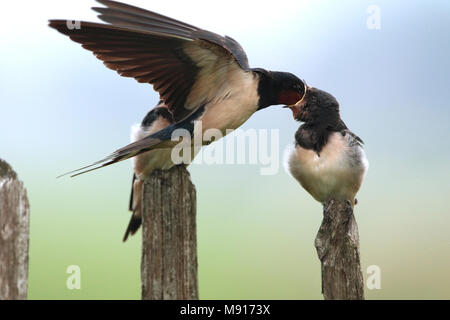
{"x": 336, "y": 174}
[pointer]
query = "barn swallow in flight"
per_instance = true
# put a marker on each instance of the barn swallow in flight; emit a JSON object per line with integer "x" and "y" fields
{"x": 202, "y": 77}
{"x": 328, "y": 160}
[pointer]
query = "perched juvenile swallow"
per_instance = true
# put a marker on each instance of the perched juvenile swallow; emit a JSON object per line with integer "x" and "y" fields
{"x": 328, "y": 159}
{"x": 203, "y": 78}
{"x": 145, "y": 163}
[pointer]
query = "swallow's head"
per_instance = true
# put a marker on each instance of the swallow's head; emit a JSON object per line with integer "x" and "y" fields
{"x": 160, "y": 111}
{"x": 288, "y": 88}
{"x": 315, "y": 106}
{"x": 279, "y": 88}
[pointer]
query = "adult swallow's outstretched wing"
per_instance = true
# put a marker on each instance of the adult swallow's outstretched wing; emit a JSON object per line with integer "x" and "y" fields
{"x": 175, "y": 57}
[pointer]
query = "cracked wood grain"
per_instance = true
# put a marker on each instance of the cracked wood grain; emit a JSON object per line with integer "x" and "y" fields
{"x": 14, "y": 235}
{"x": 337, "y": 245}
{"x": 169, "y": 237}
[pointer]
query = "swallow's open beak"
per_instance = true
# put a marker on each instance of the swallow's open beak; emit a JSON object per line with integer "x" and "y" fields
{"x": 298, "y": 104}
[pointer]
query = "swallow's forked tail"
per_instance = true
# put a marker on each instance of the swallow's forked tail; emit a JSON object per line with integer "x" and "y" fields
{"x": 153, "y": 141}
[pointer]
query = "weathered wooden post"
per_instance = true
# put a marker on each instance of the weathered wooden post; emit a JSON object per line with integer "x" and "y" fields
{"x": 169, "y": 237}
{"x": 14, "y": 235}
{"x": 337, "y": 245}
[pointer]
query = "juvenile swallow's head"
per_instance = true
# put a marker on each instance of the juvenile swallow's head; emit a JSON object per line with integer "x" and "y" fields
{"x": 316, "y": 106}
{"x": 160, "y": 111}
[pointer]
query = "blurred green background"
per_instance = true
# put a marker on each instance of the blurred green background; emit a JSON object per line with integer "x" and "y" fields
{"x": 60, "y": 109}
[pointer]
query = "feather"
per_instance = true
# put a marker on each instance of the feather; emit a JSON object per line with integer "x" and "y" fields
{"x": 139, "y": 43}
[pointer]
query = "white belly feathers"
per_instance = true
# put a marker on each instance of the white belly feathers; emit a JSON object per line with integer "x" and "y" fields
{"x": 145, "y": 163}
{"x": 336, "y": 174}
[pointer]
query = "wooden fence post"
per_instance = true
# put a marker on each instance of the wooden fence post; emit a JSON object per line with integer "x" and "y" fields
{"x": 169, "y": 236}
{"x": 14, "y": 235}
{"x": 337, "y": 245}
